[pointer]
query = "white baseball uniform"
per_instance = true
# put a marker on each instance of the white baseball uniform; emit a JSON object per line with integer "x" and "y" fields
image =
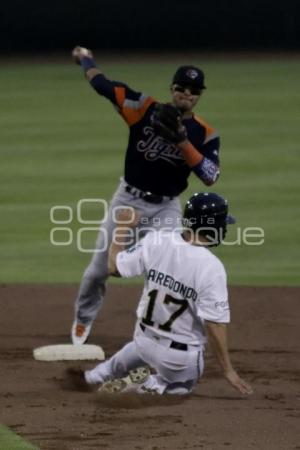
{"x": 185, "y": 285}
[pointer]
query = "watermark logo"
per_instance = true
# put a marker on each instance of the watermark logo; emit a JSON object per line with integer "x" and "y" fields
{"x": 64, "y": 218}
{"x": 62, "y": 215}
{"x": 61, "y": 235}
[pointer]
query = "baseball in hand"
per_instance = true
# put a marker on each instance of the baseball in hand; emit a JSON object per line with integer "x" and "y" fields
{"x": 80, "y": 52}
{"x": 84, "y": 51}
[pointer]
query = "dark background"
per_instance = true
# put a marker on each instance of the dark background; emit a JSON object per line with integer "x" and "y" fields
{"x": 116, "y": 24}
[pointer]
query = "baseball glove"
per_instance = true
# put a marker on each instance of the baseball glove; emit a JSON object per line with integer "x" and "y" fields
{"x": 167, "y": 123}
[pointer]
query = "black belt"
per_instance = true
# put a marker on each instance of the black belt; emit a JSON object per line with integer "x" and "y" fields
{"x": 147, "y": 196}
{"x": 173, "y": 344}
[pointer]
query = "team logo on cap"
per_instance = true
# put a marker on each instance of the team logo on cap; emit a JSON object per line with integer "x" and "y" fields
{"x": 191, "y": 73}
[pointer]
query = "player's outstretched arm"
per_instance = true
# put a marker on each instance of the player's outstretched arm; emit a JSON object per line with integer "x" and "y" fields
{"x": 115, "y": 91}
{"x": 217, "y": 333}
{"x": 84, "y": 57}
{"x": 126, "y": 220}
{"x": 102, "y": 85}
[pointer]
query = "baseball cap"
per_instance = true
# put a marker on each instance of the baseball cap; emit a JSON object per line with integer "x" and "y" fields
{"x": 189, "y": 76}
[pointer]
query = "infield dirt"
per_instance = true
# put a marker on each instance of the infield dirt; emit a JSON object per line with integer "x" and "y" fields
{"x": 265, "y": 349}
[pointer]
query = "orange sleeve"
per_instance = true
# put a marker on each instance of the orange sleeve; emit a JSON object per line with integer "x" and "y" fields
{"x": 132, "y": 110}
{"x": 210, "y": 132}
{"x": 120, "y": 95}
{"x": 190, "y": 153}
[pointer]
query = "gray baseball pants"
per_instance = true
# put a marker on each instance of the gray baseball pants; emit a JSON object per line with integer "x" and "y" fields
{"x": 92, "y": 289}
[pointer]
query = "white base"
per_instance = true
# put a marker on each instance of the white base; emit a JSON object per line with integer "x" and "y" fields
{"x": 68, "y": 352}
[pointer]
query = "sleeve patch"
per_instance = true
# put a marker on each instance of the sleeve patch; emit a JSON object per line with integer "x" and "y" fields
{"x": 207, "y": 170}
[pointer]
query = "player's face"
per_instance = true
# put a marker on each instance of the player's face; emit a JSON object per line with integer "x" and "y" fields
{"x": 185, "y": 97}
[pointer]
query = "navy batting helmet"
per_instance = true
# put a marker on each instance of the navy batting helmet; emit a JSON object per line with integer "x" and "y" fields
{"x": 207, "y": 214}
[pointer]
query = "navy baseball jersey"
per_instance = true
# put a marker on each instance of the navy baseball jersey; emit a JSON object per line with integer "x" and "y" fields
{"x": 152, "y": 163}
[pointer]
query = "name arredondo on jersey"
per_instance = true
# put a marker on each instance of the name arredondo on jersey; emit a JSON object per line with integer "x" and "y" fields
{"x": 176, "y": 286}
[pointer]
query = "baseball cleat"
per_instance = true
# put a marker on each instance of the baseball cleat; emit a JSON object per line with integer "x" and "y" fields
{"x": 139, "y": 375}
{"x": 80, "y": 333}
{"x": 132, "y": 383}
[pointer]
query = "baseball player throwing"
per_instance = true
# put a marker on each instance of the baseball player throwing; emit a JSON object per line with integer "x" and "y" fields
{"x": 166, "y": 143}
{"x": 184, "y": 295}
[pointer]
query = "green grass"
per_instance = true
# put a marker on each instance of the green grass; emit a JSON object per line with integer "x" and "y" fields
{"x": 11, "y": 441}
{"x": 60, "y": 142}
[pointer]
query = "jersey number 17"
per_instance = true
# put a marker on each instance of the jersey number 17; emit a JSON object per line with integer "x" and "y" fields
{"x": 167, "y": 326}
